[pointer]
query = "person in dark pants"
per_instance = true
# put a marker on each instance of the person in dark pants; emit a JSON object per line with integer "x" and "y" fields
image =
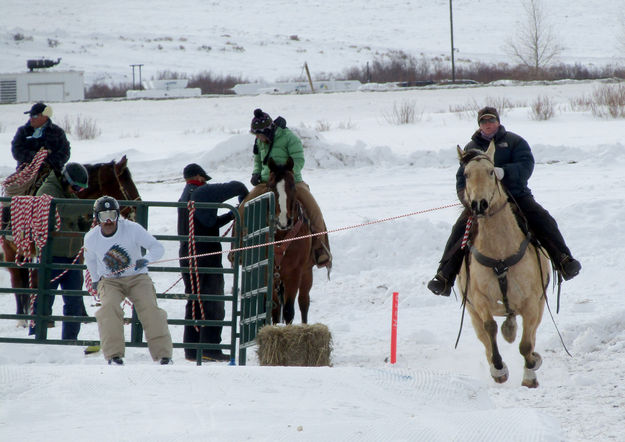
{"x": 206, "y": 223}
{"x": 514, "y": 164}
{"x": 71, "y": 180}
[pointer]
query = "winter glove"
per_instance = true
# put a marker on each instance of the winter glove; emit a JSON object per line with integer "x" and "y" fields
{"x": 141, "y": 263}
{"x": 94, "y": 286}
{"x": 499, "y": 173}
{"x": 255, "y": 179}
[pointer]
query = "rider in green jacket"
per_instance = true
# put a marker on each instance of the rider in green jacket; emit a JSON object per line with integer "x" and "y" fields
{"x": 275, "y": 141}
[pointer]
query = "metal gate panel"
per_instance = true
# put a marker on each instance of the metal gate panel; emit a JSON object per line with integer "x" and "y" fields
{"x": 256, "y": 269}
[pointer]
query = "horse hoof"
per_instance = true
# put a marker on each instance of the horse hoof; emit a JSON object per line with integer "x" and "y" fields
{"x": 529, "y": 377}
{"x": 530, "y": 383}
{"x": 500, "y": 375}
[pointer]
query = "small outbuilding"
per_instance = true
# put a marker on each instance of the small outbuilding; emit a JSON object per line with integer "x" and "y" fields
{"x": 37, "y": 85}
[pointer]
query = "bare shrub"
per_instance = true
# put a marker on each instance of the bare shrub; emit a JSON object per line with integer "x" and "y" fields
{"x": 21, "y": 37}
{"x": 609, "y": 101}
{"x": 86, "y": 128}
{"x": 402, "y": 113}
{"x": 542, "y": 108}
{"x": 103, "y": 90}
{"x": 213, "y": 84}
{"x": 65, "y": 124}
{"x": 52, "y": 43}
{"x": 349, "y": 124}
{"x": 1, "y": 127}
{"x": 294, "y": 37}
{"x": 580, "y": 104}
{"x": 469, "y": 109}
{"x": 323, "y": 126}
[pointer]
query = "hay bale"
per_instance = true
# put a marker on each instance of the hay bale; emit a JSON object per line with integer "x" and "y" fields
{"x": 299, "y": 345}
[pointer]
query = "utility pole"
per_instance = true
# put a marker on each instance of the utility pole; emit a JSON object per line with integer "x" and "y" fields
{"x": 133, "y": 74}
{"x": 451, "y": 28}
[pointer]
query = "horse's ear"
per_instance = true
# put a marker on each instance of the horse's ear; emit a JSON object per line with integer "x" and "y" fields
{"x": 289, "y": 164}
{"x": 491, "y": 151}
{"x": 123, "y": 161}
{"x": 460, "y": 152}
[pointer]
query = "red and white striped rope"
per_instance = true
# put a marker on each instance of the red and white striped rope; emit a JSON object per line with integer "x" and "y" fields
{"x": 193, "y": 271}
{"x": 465, "y": 237}
{"x": 28, "y": 172}
{"x": 340, "y": 229}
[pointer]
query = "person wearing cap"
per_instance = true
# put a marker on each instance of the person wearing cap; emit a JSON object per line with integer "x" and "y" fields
{"x": 514, "y": 164}
{"x": 74, "y": 218}
{"x": 206, "y": 222}
{"x": 274, "y": 140}
{"x": 39, "y": 132}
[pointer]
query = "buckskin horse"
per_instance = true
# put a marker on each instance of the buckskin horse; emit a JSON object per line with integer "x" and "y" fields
{"x": 113, "y": 179}
{"x": 505, "y": 273}
{"x": 292, "y": 259}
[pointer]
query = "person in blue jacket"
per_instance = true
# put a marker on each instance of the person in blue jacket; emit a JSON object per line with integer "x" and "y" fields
{"x": 206, "y": 223}
{"x": 514, "y": 164}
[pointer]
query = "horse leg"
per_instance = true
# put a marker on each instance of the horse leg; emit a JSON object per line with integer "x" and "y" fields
{"x": 277, "y": 304}
{"x": 290, "y": 293}
{"x": 19, "y": 280}
{"x": 533, "y": 360}
{"x": 303, "y": 299}
{"x": 486, "y": 331}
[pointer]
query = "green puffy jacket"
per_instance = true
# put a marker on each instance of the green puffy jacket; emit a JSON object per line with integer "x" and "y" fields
{"x": 72, "y": 218}
{"x": 285, "y": 144}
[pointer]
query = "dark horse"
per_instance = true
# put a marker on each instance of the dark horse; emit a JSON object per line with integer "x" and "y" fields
{"x": 113, "y": 179}
{"x": 292, "y": 259}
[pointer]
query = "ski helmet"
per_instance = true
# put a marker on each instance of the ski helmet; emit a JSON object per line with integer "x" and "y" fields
{"x": 76, "y": 175}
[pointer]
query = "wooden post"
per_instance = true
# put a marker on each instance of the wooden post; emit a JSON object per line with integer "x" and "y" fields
{"x": 312, "y": 89}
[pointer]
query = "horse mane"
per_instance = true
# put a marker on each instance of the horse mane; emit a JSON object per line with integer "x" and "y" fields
{"x": 470, "y": 155}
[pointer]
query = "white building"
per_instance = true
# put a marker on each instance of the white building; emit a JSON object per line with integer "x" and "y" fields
{"x": 46, "y": 86}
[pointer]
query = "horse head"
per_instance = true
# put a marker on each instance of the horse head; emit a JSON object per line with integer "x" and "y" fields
{"x": 483, "y": 190}
{"x": 113, "y": 179}
{"x": 282, "y": 184}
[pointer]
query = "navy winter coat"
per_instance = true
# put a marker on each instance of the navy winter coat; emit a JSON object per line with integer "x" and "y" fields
{"x": 512, "y": 154}
{"x": 24, "y": 146}
{"x": 206, "y": 221}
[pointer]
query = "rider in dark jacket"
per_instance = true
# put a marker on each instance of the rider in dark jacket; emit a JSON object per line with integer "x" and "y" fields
{"x": 514, "y": 164}
{"x": 40, "y": 132}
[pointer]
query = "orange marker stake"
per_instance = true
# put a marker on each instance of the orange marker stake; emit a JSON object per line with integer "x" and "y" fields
{"x": 394, "y": 328}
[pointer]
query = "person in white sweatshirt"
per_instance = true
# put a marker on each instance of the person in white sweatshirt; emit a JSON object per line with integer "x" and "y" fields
{"x": 119, "y": 270}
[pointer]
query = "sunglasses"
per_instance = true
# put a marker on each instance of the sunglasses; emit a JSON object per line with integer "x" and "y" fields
{"x": 107, "y": 215}
{"x": 35, "y": 116}
{"x": 488, "y": 120}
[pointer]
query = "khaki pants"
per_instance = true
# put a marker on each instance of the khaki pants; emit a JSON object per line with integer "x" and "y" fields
{"x": 139, "y": 289}
{"x": 310, "y": 206}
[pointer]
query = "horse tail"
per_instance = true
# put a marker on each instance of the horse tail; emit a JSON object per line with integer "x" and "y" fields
{"x": 508, "y": 328}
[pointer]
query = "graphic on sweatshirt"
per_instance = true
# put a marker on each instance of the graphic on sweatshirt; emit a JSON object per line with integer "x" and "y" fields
{"x": 116, "y": 258}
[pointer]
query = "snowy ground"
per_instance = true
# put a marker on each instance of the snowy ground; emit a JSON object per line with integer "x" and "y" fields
{"x": 433, "y": 392}
{"x": 360, "y": 168}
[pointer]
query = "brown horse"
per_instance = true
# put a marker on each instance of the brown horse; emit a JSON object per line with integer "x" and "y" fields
{"x": 113, "y": 179}
{"x": 505, "y": 274}
{"x": 292, "y": 259}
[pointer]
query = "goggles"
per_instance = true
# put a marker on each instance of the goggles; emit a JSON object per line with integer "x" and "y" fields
{"x": 107, "y": 215}
{"x": 76, "y": 188}
{"x": 488, "y": 120}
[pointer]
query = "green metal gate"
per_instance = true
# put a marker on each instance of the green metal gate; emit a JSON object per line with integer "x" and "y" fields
{"x": 256, "y": 270}
{"x": 45, "y": 266}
